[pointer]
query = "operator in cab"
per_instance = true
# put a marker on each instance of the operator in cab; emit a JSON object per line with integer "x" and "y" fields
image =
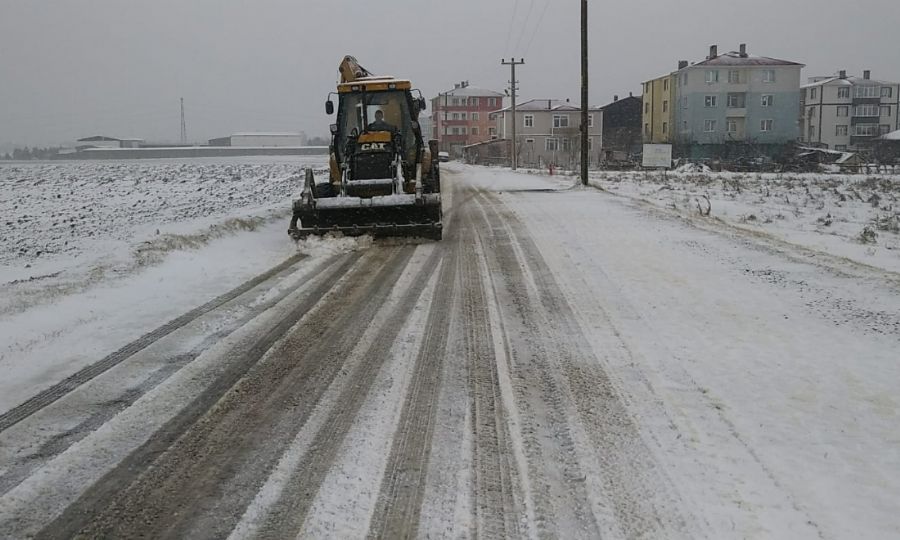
{"x": 379, "y": 124}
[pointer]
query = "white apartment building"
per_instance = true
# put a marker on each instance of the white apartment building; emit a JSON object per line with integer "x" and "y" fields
{"x": 847, "y": 113}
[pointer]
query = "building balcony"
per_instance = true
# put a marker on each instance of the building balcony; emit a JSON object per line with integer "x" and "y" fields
{"x": 736, "y": 112}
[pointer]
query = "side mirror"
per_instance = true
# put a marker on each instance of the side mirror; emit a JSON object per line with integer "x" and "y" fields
{"x": 333, "y": 128}
{"x": 329, "y": 107}
{"x": 421, "y": 104}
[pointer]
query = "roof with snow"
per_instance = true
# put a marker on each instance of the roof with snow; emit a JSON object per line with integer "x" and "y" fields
{"x": 892, "y": 136}
{"x": 97, "y": 138}
{"x": 846, "y": 81}
{"x": 547, "y": 105}
{"x": 471, "y": 91}
{"x": 265, "y": 134}
{"x": 735, "y": 58}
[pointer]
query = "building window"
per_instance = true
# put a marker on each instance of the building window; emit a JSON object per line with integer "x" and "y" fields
{"x": 865, "y": 91}
{"x": 887, "y": 91}
{"x": 590, "y": 143}
{"x": 811, "y": 133}
{"x": 492, "y": 131}
{"x": 492, "y": 102}
{"x": 551, "y": 144}
{"x": 766, "y": 125}
{"x": 455, "y": 116}
{"x": 463, "y": 115}
{"x": 665, "y": 84}
{"x": 734, "y": 76}
{"x": 885, "y": 111}
{"x": 843, "y": 110}
{"x": 590, "y": 120}
{"x": 712, "y": 76}
{"x": 665, "y": 127}
{"x": 474, "y": 130}
{"x": 473, "y": 101}
{"x": 665, "y": 106}
{"x": 865, "y": 130}
{"x": 529, "y": 120}
{"x": 840, "y": 130}
{"x": 560, "y": 120}
{"x": 768, "y": 100}
{"x": 884, "y": 129}
{"x": 813, "y": 92}
{"x": 840, "y": 147}
{"x": 709, "y": 126}
{"x": 647, "y": 108}
{"x": 710, "y": 101}
{"x": 462, "y": 130}
{"x": 768, "y": 75}
{"x": 868, "y": 109}
{"x": 684, "y": 78}
{"x": 566, "y": 144}
{"x": 843, "y": 92}
{"x": 810, "y": 112}
{"x": 646, "y": 130}
{"x": 529, "y": 141}
{"x": 474, "y": 116}
{"x": 731, "y": 126}
{"x": 736, "y": 101}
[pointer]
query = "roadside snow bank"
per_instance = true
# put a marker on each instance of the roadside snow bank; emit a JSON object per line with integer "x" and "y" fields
{"x": 856, "y": 217}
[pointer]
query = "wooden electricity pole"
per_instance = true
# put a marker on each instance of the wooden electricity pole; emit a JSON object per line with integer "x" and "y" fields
{"x": 512, "y": 64}
{"x": 585, "y": 139}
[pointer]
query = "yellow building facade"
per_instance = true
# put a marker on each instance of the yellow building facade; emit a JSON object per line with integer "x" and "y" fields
{"x": 658, "y": 119}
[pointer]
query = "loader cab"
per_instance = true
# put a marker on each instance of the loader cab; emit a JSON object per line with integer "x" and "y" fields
{"x": 358, "y": 131}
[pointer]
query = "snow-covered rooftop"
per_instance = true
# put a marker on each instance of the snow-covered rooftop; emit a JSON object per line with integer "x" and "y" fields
{"x": 735, "y": 58}
{"x": 547, "y": 105}
{"x": 846, "y": 81}
{"x": 472, "y": 91}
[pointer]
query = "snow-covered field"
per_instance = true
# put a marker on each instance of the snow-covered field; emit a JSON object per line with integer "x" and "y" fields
{"x": 94, "y": 254}
{"x": 67, "y": 225}
{"x": 852, "y": 216}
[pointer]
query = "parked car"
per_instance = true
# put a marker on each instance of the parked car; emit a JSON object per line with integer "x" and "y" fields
{"x": 443, "y": 156}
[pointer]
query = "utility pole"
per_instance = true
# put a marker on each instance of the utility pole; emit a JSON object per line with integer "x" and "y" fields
{"x": 512, "y": 64}
{"x": 183, "y": 125}
{"x": 585, "y": 139}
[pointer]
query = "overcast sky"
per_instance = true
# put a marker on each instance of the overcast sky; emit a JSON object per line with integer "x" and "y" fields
{"x": 70, "y": 69}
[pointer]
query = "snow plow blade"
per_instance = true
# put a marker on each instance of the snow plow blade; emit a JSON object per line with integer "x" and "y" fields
{"x": 387, "y": 216}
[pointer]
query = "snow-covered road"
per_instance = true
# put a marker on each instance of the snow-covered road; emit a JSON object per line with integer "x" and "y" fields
{"x": 565, "y": 363}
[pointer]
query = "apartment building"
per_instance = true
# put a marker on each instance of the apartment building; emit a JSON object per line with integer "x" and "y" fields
{"x": 727, "y": 100}
{"x": 461, "y": 116}
{"x": 548, "y": 131}
{"x": 848, "y": 113}
{"x": 658, "y": 115}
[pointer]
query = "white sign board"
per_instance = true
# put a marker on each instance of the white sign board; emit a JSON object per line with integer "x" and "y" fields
{"x": 657, "y": 155}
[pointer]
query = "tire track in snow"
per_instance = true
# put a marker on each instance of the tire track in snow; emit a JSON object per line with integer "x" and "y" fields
{"x": 402, "y": 489}
{"x": 121, "y": 498}
{"x": 86, "y": 374}
{"x": 643, "y": 500}
{"x": 287, "y": 515}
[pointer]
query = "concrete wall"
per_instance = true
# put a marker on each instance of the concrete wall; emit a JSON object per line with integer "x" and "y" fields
{"x": 784, "y": 110}
{"x": 532, "y": 141}
{"x": 194, "y": 152}
{"x": 267, "y": 140}
{"x": 658, "y": 114}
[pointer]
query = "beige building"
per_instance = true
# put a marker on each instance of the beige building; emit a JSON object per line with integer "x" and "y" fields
{"x": 848, "y": 113}
{"x": 548, "y": 132}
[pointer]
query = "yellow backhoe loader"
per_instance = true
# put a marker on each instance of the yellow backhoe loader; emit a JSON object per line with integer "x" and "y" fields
{"x": 384, "y": 180}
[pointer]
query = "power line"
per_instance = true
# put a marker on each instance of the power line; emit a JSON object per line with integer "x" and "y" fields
{"x": 525, "y": 24}
{"x": 512, "y": 21}
{"x": 534, "y": 33}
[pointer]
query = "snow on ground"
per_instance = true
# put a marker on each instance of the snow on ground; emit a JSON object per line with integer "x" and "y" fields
{"x": 84, "y": 271}
{"x": 70, "y": 224}
{"x": 766, "y": 380}
{"x": 852, "y": 216}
